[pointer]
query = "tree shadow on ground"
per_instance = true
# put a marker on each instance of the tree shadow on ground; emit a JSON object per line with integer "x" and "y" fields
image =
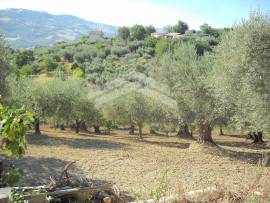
{"x": 244, "y": 144}
{"x": 232, "y": 135}
{"x": 37, "y": 170}
{"x": 248, "y": 157}
{"x": 93, "y": 134}
{"x": 74, "y": 142}
{"x": 169, "y": 144}
{"x": 87, "y": 133}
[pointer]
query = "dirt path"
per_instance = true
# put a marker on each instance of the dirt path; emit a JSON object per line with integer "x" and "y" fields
{"x": 138, "y": 166}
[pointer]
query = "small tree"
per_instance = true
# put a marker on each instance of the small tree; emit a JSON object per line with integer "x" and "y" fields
{"x": 181, "y": 27}
{"x": 149, "y": 30}
{"x": 123, "y": 33}
{"x": 132, "y": 109}
{"x": 23, "y": 58}
{"x": 48, "y": 64}
{"x": 83, "y": 111}
{"x": 206, "y": 29}
{"x": 31, "y": 94}
{"x": 138, "y": 32}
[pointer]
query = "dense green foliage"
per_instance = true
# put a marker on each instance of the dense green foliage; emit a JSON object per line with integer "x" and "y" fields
{"x": 201, "y": 80}
{"x": 4, "y": 65}
{"x": 186, "y": 74}
{"x": 138, "y": 32}
{"x": 14, "y": 123}
{"x": 56, "y": 100}
{"x": 241, "y": 74}
{"x": 181, "y": 27}
{"x": 123, "y": 33}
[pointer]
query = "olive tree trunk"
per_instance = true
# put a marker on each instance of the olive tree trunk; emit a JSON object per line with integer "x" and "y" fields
{"x": 77, "y": 126}
{"x": 140, "y": 130}
{"x": 258, "y": 137}
{"x": 131, "y": 130}
{"x": 37, "y": 125}
{"x": 221, "y": 131}
{"x": 152, "y": 131}
{"x": 97, "y": 130}
{"x": 62, "y": 127}
{"x": 83, "y": 126}
{"x": 205, "y": 134}
{"x": 184, "y": 131}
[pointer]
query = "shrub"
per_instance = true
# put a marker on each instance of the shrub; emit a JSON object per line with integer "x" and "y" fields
{"x": 48, "y": 64}
{"x": 119, "y": 51}
{"x": 26, "y": 70}
{"x": 77, "y": 73}
{"x": 150, "y": 42}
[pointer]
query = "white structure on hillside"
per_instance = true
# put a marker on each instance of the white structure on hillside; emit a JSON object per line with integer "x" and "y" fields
{"x": 158, "y": 34}
{"x": 171, "y": 35}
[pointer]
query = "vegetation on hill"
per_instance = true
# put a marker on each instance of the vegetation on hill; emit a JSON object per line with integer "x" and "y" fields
{"x": 198, "y": 81}
{"x": 27, "y": 29}
{"x": 193, "y": 83}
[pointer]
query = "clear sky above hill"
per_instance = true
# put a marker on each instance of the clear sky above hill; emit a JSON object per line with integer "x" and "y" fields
{"x": 217, "y": 13}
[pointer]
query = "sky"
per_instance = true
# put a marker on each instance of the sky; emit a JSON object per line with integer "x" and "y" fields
{"x": 217, "y": 13}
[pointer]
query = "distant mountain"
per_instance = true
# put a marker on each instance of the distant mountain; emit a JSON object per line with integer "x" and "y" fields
{"x": 26, "y": 28}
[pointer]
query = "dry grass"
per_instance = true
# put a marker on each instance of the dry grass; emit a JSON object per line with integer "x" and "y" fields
{"x": 137, "y": 166}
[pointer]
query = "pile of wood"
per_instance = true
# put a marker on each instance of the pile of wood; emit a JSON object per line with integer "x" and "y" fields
{"x": 83, "y": 189}
{"x": 68, "y": 187}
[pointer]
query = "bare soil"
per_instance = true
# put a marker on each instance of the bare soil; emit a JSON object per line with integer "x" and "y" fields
{"x": 139, "y": 166}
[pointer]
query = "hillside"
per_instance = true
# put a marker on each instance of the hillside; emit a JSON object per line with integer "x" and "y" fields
{"x": 26, "y": 28}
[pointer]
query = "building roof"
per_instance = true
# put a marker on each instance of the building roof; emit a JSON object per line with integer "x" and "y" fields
{"x": 158, "y": 33}
{"x": 171, "y": 34}
{"x": 96, "y": 33}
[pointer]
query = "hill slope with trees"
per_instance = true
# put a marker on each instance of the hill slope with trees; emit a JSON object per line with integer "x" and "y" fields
{"x": 26, "y": 28}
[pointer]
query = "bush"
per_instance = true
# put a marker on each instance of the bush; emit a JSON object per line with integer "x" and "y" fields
{"x": 133, "y": 46}
{"x": 162, "y": 46}
{"x": 26, "y": 70}
{"x": 10, "y": 175}
{"x": 140, "y": 68}
{"x": 77, "y": 73}
{"x": 107, "y": 51}
{"x": 68, "y": 56}
{"x": 150, "y": 42}
{"x": 149, "y": 50}
{"x": 48, "y": 64}
{"x": 24, "y": 58}
{"x": 119, "y": 51}
{"x": 147, "y": 56}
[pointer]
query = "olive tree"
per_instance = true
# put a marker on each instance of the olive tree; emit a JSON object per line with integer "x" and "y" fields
{"x": 189, "y": 85}
{"x": 181, "y": 27}
{"x": 69, "y": 103}
{"x": 242, "y": 74}
{"x": 84, "y": 112}
{"x": 23, "y": 58}
{"x": 4, "y": 65}
{"x": 131, "y": 109}
{"x": 123, "y": 33}
{"x": 149, "y": 30}
{"x": 57, "y": 100}
{"x": 31, "y": 94}
{"x": 138, "y": 32}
